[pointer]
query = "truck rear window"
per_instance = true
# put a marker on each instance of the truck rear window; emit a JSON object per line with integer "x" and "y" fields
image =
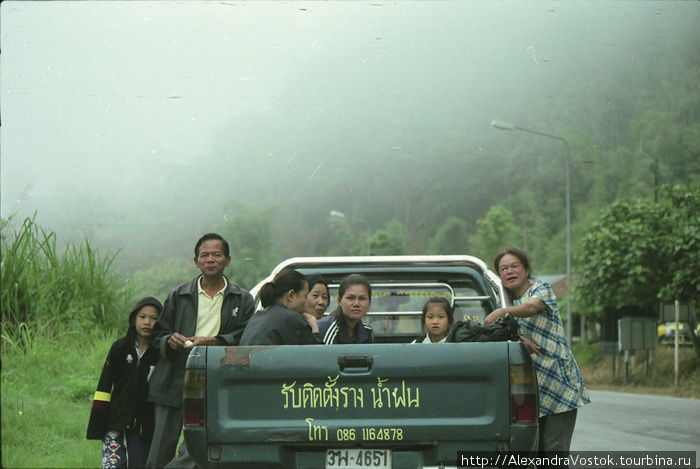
{"x": 397, "y": 308}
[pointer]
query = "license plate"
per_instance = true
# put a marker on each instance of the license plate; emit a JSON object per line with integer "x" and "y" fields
{"x": 358, "y": 459}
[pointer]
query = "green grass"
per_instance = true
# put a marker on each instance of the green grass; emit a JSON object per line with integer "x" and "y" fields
{"x": 46, "y": 399}
{"x": 55, "y": 307}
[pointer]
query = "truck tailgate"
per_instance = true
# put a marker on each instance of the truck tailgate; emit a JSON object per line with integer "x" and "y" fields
{"x": 381, "y": 394}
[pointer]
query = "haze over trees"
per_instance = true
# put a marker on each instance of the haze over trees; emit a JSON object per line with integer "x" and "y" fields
{"x": 387, "y": 123}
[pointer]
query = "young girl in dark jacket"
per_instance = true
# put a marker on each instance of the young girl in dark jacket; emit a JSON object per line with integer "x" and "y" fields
{"x": 121, "y": 415}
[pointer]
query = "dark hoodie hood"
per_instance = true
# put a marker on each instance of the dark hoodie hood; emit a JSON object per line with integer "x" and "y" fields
{"x": 147, "y": 301}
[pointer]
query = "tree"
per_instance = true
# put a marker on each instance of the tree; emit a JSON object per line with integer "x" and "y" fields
{"x": 388, "y": 241}
{"x": 451, "y": 238}
{"x": 338, "y": 238}
{"x": 253, "y": 250}
{"x": 495, "y": 230}
{"x": 619, "y": 257}
{"x": 640, "y": 252}
{"x": 158, "y": 279}
{"x": 681, "y": 206}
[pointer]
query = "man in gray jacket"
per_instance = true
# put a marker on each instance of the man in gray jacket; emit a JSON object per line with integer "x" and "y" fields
{"x": 208, "y": 310}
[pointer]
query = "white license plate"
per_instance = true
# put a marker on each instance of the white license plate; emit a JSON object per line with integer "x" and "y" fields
{"x": 358, "y": 458}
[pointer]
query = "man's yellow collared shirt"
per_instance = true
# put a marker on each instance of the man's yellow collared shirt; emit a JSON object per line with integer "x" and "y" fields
{"x": 209, "y": 311}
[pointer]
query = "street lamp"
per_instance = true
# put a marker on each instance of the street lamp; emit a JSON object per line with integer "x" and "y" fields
{"x": 337, "y": 214}
{"x": 508, "y": 126}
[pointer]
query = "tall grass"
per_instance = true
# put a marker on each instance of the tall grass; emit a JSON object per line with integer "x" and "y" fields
{"x": 61, "y": 311}
{"x": 41, "y": 288}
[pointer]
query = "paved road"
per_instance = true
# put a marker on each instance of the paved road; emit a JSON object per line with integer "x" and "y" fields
{"x": 632, "y": 422}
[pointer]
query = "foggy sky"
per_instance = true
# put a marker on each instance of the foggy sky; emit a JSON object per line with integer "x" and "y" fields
{"x": 125, "y": 113}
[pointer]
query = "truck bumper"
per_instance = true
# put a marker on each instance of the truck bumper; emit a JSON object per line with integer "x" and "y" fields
{"x": 254, "y": 456}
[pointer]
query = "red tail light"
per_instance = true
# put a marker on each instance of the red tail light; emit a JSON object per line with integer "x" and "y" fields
{"x": 194, "y": 402}
{"x": 194, "y": 412}
{"x": 523, "y": 394}
{"x": 523, "y": 408}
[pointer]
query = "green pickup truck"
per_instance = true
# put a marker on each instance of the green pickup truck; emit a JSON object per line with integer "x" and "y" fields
{"x": 391, "y": 404}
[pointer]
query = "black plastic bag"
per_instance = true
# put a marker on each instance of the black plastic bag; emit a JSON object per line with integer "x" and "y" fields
{"x": 505, "y": 328}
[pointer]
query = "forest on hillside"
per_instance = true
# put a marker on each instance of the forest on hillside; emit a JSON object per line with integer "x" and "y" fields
{"x": 641, "y": 132}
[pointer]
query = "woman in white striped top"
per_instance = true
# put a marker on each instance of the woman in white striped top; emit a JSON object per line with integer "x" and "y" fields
{"x": 344, "y": 325}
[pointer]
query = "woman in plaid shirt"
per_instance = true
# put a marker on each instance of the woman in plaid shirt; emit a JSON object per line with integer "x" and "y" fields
{"x": 559, "y": 381}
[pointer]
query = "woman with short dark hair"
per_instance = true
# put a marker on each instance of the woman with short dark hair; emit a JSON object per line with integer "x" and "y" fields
{"x": 318, "y": 297}
{"x": 560, "y": 384}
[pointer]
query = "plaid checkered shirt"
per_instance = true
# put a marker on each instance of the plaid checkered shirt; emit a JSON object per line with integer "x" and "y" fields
{"x": 559, "y": 379}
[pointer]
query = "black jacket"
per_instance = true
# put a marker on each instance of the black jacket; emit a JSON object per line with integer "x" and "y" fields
{"x": 333, "y": 332}
{"x": 180, "y": 315}
{"x": 278, "y": 325}
{"x": 121, "y": 400}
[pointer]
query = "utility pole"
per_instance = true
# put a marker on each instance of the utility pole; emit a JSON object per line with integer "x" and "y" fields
{"x": 501, "y": 125}
{"x": 655, "y": 170}
{"x": 654, "y": 167}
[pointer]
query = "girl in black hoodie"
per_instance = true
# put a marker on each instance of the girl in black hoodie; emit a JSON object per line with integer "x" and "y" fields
{"x": 121, "y": 415}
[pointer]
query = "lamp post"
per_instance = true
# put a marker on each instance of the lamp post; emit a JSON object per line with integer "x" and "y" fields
{"x": 337, "y": 214}
{"x": 508, "y": 126}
